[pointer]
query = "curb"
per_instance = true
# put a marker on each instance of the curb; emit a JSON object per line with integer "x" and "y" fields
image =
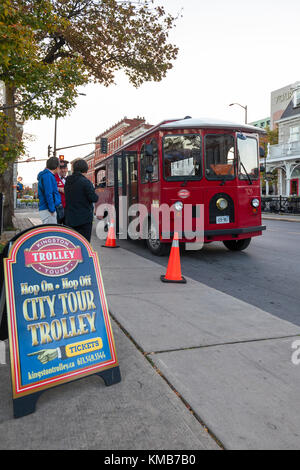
{"x": 285, "y": 219}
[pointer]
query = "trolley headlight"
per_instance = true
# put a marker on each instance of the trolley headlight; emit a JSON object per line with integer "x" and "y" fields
{"x": 255, "y": 202}
{"x": 222, "y": 204}
{"x": 178, "y": 206}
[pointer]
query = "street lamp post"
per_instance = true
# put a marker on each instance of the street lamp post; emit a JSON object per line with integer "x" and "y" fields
{"x": 244, "y": 107}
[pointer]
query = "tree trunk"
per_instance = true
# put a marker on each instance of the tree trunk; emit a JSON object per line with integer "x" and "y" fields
{"x": 6, "y": 187}
{"x": 7, "y": 178}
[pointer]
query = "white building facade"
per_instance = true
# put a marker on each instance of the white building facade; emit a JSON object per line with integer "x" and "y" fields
{"x": 285, "y": 156}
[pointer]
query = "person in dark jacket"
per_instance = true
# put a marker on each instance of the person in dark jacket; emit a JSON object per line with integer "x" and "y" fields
{"x": 80, "y": 195}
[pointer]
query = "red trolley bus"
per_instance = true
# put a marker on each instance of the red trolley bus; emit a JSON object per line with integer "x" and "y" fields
{"x": 189, "y": 161}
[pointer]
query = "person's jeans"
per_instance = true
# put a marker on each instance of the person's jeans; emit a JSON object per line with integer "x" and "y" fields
{"x": 47, "y": 217}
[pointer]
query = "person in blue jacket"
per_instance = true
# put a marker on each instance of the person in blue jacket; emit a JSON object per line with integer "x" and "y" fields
{"x": 49, "y": 197}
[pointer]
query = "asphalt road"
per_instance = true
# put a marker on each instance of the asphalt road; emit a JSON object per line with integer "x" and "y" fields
{"x": 229, "y": 361}
{"x": 265, "y": 275}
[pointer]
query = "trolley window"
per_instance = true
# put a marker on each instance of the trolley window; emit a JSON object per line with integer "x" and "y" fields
{"x": 248, "y": 157}
{"x": 101, "y": 177}
{"x": 182, "y": 157}
{"x": 219, "y": 157}
{"x": 110, "y": 172}
{"x": 120, "y": 174}
{"x": 149, "y": 162}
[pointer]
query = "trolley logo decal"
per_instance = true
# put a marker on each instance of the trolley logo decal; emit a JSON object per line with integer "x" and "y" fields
{"x": 53, "y": 256}
{"x": 183, "y": 193}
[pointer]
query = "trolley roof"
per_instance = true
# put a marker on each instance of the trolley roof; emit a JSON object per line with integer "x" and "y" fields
{"x": 187, "y": 123}
{"x": 211, "y": 123}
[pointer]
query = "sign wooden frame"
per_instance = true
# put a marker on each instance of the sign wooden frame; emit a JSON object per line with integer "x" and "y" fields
{"x": 26, "y": 392}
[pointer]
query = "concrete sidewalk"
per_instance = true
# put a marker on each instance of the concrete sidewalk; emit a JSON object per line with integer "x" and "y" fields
{"x": 283, "y": 217}
{"x": 139, "y": 413}
{"x": 142, "y": 412}
{"x": 230, "y": 361}
{"x": 24, "y": 220}
{"x": 191, "y": 358}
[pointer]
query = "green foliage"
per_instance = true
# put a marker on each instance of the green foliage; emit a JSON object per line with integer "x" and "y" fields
{"x": 48, "y": 48}
{"x": 272, "y": 136}
{"x": 27, "y": 29}
{"x": 28, "y": 201}
{"x": 9, "y": 149}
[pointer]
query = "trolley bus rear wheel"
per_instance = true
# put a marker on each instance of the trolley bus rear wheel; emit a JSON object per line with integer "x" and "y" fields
{"x": 153, "y": 242}
{"x": 237, "y": 245}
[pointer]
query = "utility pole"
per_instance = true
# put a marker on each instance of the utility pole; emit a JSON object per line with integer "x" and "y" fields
{"x": 55, "y": 132}
{"x": 55, "y": 129}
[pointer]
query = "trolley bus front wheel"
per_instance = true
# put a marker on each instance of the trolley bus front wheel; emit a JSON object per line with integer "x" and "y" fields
{"x": 237, "y": 245}
{"x": 153, "y": 242}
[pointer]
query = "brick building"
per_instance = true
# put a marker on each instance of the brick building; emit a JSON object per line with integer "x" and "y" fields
{"x": 117, "y": 135}
{"x": 90, "y": 159}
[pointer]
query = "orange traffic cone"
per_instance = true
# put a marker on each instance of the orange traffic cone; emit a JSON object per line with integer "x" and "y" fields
{"x": 173, "y": 273}
{"x": 111, "y": 237}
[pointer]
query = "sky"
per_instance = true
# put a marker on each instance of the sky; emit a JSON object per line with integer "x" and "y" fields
{"x": 230, "y": 51}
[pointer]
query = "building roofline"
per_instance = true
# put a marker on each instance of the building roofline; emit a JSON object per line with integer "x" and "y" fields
{"x": 135, "y": 139}
{"x": 289, "y": 118}
{"x": 125, "y": 121}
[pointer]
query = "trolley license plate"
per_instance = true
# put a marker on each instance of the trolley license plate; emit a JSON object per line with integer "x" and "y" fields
{"x": 224, "y": 219}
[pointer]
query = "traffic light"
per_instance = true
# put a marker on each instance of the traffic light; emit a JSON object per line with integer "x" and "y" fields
{"x": 49, "y": 151}
{"x": 61, "y": 158}
{"x": 103, "y": 145}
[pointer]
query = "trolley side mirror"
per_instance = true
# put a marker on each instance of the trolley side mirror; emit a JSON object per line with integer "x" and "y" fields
{"x": 148, "y": 150}
{"x": 262, "y": 168}
{"x": 149, "y": 169}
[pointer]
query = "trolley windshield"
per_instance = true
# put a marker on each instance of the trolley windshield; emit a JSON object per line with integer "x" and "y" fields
{"x": 182, "y": 157}
{"x": 219, "y": 156}
{"x": 248, "y": 157}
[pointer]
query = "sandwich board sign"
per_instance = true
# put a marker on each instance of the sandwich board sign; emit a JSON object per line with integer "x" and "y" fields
{"x": 58, "y": 319}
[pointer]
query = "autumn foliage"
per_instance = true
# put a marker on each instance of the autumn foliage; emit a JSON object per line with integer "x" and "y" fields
{"x": 48, "y": 48}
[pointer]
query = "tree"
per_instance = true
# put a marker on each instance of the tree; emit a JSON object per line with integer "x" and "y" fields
{"x": 271, "y": 138}
{"x": 272, "y": 135}
{"x": 50, "y": 47}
